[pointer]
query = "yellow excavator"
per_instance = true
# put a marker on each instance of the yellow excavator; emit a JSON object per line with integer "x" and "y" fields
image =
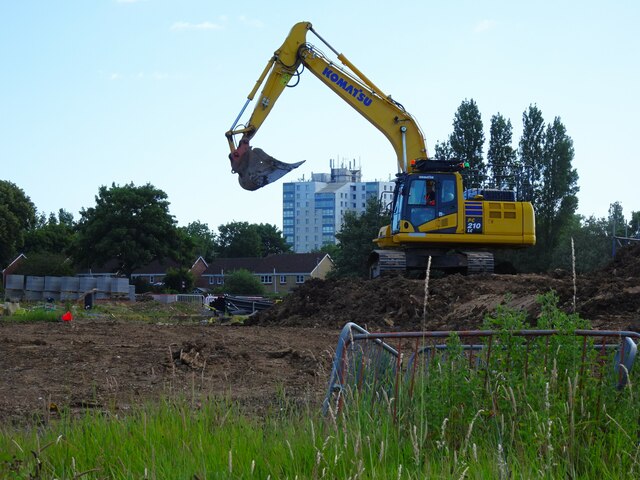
{"x": 432, "y": 215}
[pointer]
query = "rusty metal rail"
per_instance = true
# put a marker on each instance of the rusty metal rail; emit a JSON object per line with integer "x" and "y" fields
{"x": 369, "y": 361}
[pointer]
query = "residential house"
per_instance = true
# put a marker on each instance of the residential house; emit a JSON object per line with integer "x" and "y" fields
{"x": 199, "y": 267}
{"x": 12, "y": 267}
{"x": 110, "y": 269}
{"x": 155, "y": 271}
{"x": 278, "y": 273}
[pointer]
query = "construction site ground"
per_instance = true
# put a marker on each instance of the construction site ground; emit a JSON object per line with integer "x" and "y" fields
{"x": 112, "y": 359}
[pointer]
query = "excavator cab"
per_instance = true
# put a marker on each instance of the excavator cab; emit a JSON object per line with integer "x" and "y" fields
{"x": 422, "y": 198}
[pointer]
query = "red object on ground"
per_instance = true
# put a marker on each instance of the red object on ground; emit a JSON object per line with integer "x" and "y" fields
{"x": 67, "y": 317}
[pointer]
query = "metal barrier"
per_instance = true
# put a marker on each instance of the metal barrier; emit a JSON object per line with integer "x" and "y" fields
{"x": 241, "y": 305}
{"x": 368, "y": 362}
{"x": 189, "y": 298}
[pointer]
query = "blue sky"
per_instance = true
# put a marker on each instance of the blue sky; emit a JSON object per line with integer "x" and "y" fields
{"x": 102, "y": 91}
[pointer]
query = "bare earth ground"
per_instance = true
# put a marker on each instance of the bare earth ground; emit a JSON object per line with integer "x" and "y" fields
{"x": 107, "y": 364}
{"x": 103, "y": 362}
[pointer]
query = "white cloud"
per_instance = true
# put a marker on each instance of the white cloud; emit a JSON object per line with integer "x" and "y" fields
{"x": 115, "y": 76}
{"x": 181, "y": 26}
{"x": 484, "y": 26}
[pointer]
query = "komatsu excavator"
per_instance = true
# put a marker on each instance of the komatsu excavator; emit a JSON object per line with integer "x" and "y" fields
{"x": 433, "y": 219}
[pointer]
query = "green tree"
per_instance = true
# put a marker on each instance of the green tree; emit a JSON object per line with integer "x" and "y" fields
{"x": 467, "y": 141}
{"x": 530, "y": 148}
{"x": 243, "y": 282}
{"x": 634, "y": 225}
{"x": 443, "y": 151}
{"x": 186, "y": 250}
{"x": 238, "y": 239}
{"x": 244, "y": 239}
{"x": 17, "y": 216}
{"x": 179, "y": 279}
{"x": 356, "y": 240}
{"x": 54, "y": 234}
{"x": 501, "y": 155}
{"x": 203, "y": 239}
{"x": 592, "y": 244}
{"x": 46, "y": 263}
{"x": 617, "y": 225}
{"x": 128, "y": 223}
{"x": 273, "y": 242}
{"x": 557, "y": 200}
{"x": 330, "y": 249}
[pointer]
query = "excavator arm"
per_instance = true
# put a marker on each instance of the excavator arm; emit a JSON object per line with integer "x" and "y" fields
{"x": 257, "y": 169}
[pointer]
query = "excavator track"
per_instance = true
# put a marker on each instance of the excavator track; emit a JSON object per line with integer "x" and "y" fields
{"x": 479, "y": 262}
{"x": 387, "y": 262}
{"x": 399, "y": 262}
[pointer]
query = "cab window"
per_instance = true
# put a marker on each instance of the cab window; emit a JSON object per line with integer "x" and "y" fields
{"x": 421, "y": 201}
{"x": 447, "y": 191}
{"x": 418, "y": 192}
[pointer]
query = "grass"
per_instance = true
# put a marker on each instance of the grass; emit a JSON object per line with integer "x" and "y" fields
{"x": 184, "y": 439}
{"x": 152, "y": 312}
{"x": 33, "y": 315}
{"x": 554, "y": 419}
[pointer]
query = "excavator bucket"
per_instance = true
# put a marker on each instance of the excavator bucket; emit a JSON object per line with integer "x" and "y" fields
{"x": 256, "y": 168}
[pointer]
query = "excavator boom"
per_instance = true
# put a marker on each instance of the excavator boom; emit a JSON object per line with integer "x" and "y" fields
{"x": 256, "y": 169}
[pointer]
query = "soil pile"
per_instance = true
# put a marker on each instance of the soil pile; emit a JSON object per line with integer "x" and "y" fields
{"x": 610, "y": 298}
{"x": 109, "y": 362}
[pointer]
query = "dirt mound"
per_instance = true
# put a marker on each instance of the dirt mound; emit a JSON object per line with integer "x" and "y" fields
{"x": 614, "y": 291}
{"x": 626, "y": 264}
{"x": 610, "y": 298}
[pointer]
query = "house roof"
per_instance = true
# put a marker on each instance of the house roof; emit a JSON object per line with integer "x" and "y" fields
{"x": 200, "y": 259}
{"x": 281, "y": 263}
{"x": 156, "y": 267}
{"x": 15, "y": 260}
{"x": 111, "y": 266}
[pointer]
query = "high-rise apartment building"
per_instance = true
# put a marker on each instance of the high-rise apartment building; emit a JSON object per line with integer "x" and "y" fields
{"x": 313, "y": 211}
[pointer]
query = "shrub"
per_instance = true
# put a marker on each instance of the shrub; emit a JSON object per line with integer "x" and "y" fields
{"x": 243, "y": 282}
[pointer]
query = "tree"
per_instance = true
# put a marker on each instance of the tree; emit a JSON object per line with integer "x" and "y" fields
{"x": 244, "y": 239}
{"x": 467, "y": 141}
{"x": 443, "y": 151}
{"x": 592, "y": 244}
{"x": 185, "y": 252}
{"x": 556, "y": 200}
{"x": 179, "y": 279}
{"x": 355, "y": 237}
{"x": 530, "y": 152}
{"x": 128, "y": 223}
{"x": 501, "y": 155}
{"x": 52, "y": 234}
{"x": 617, "y": 225}
{"x": 238, "y": 239}
{"x": 634, "y": 225}
{"x": 330, "y": 249}
{"x": 46, "y": 263}
{"x": 17, "y": 216}
{"x": 243, "y": 282}
{"x": 272, "y": 240}
{"x": 203, "y": 239}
